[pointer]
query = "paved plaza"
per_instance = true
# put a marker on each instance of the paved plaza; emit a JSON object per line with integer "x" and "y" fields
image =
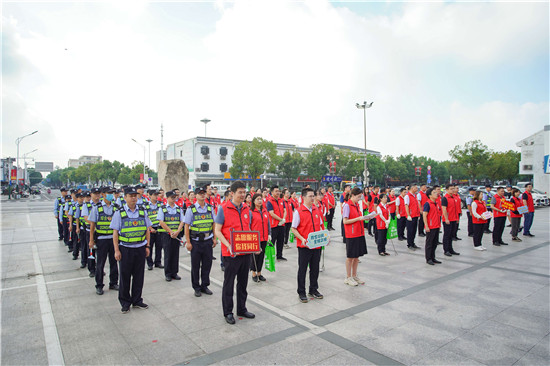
{"x": 479, "y": 308}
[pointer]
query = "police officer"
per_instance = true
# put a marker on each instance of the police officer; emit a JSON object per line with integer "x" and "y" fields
{"x": 140, "y": 188}
{"x": 199, "y": 233}
{"x": 171, "y": 224}
{"x": 130, "y": 227}
{"x": 488, "y": 198}
{"x": 74, "y": 220}
{"x": 58, "y": 205}
{"x": 152, "y": 209}
{"x": 95, "y": 194}
{"x": 67, "y": 238}
{"x": 101, "y": 235}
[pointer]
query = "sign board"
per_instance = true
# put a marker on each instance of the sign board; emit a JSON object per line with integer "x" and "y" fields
{"x": 547, "y": 164}
{"x": 487, "y": 215}
{"x": 506, "y": 205}
{"x": 429, "y": 178}
{"x": 332, "y": 179}
{"x": 317, "y": 239}
{"x": 43, "y": 166}
{"x": 523, "y": 210}
{"x": 306, "y": 179}
{"x": 245, "y": 242}
{"x": 14, "y": 174}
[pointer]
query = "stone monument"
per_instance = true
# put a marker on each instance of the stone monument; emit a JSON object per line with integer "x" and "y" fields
{"x": 173, "y": 174}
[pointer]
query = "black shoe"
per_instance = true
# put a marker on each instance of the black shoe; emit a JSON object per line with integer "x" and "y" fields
{"x": 455, "y": 253}
{"x": 448, "y": 254}
{"x": 261, "y": 278}
{"x": 430, "y": 262}
{"x": 92, "y": 274}
{"x": 315, "y": 294}
{"x": 247, "y": 314}
{"x": 371, "y": 235}
{"x": 222, "y": 268}
{"x": 422, "y": 234}
{"x": 213, "y": 258}
{"x": 167, "y": 278}
{"x": 230, "y": 319}
{"x": 436, "y": 261}
{"x": 198, "y": 293}
{"x": 303, "y": 297}
{"x": 488, "y": 232}
{"x": 471, "y": 235}
{"x": 416, "y": 246}
{"x": 82, "y": 266}
{"x": 125, "y": 310}
{"x": 457, "y": 238}
{"x": 150, "y": 268}
{"x": 410, "y": 247}
{"x": 60, "y": 239}
{"x": 503, "y": 243}
{"x": 159, "y": 266}
{"x": 113, "y": 287}
{"x": 496, "y": 244}
{"x": 438, "y": 242}
{"x": 70, "y": 250}
{"x": 99, "y": 291}
{"x": 176, "y": 277}
{"x": 531, "y": 235}
{"x": 282, "y": 259}
{"x": 509, "y": 225}
{"x": 141, "y": 305}
{"x": 401, "y": 239}
{"x": 75, "y": 258}
{"x": 206, "y": 290}
{"x": 255, "y": 279}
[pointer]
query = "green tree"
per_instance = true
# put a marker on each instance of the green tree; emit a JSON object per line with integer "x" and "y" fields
{"x": 34, "y": 177}
{"x": 503, "y": 165}
{"x": 317, "y": 161}
{"x": 290, "y": 166}
{"x": 395, "y": 169}
{"x": 472, "y": 157}
{"x": 254, "y": 158}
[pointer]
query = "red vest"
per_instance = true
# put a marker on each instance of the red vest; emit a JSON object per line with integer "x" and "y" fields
{"x": 289, "y": 211}
{"x": 402, "y": 211}
{"x": 372, "y": 197}
{"x": 451, "y": 208}
{"x": 438, "y": 203}
{"x": 392, "y": 207}
{"x": 380, "y": 223}
{"x": 434, "y": 216}
{"x": 479, "y": 210}
{"x": 278, "y": 209}
{"x": 530, "y": 203}
{"x": 330, "y": 198}
{"x": 356, "y": 229}
{"x": 518, "y": 202}
{"x": 498, "y": 204}
{"x": 234, "y": 220}
{"x": 414, "y": 210}
{"x": 309, "y": 222}
{"x": 423, "y": 199}
{"x": 260, "y": 222}
{"x": 321, "y": 209}
{"x": 458, "y": 206}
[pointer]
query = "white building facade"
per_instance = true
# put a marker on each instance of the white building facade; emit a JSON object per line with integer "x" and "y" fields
{"x": 85, "y": 159}
{"x": 535, "y": 152}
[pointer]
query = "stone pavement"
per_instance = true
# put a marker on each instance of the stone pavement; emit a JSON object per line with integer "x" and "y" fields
{"x": 477, "y": 308}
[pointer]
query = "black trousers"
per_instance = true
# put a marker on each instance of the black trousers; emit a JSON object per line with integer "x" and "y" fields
{"x": 516, "y": 221}
{"x": 372, "y": 226}
{"x": 382, "y": 240}
{"x": 91, "y": 262}
{"x": 105, "y": 249}
{"x": 478, "y": 234}
{"x": 235, "y": 267}
{"x": 411, "y": 231}
{"x": 431, "y": 243}
{"x": 201, "y": 263}
{"x": 308, "y": 257}
{"x": 498, "y": 229}
{"x": 75, "y": 244}
{"x": 330, "y": 217}
{"x": 287, "y": 231}
{"x": 455, "y": 229}
{"x": 470, "y": 224}
{"x": 84, "y": 252}
{"x": 401, "y": 224}
{"x": 277, "y": 238}
{"x": 420, "y": 225}
{"x": 448, "y": 231}
{"x": 171, "y": 255}
{"x": 342, "y": 230}
{"x": 59, "y": 229}
{"x": 132, "y": 266}
{"x": 488, "y": 223}
{"x": 66, "y": 233}
{"x": 155, "y": 244}
{"x": 257, "y": 261}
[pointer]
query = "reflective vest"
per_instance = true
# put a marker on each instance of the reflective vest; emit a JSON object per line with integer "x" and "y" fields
{"x": 260, "y": 222}
{"x": 402, "y": 211}
{"x": 278, "y": 209}
{"x": 530, "y": 203}
{"x": 309, "y": 222}
{"x": 68, "y": 203}
{"x": 82, "y": 220}
{"x": 171, "y": 220}
{"x": 202, "y": 222}
{"x": 434, "y": 216}
{"x": 132, "y": 230}
{"x": 498, "y": 204}
{"x": 518, "y": 202}
{"x": 380, "y": 220}
{"x": 488, "y": 198}
{"x": 152, "y": 213}
{"x": 104, "y": 221}
{"x": 234, "y": 220}
{"x": 451, "y": 208}
{"x": 414, "y": 210}
{"x": 356, "y": 229}
{"x": 479, "y": 210}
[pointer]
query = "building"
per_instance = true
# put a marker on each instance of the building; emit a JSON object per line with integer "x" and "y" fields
{"x": 535, "y": 152}
{"x": 85, "y": 159}
{"x": 209, "y": 159}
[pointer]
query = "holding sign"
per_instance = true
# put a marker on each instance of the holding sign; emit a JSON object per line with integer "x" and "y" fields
{"x": 506, "y": 205}
{"x": 523, "y": 210}
{"x": 317, "y": 239}
{"x": 245, "y": 242}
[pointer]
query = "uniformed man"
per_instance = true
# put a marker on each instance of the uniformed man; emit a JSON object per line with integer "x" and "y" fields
{"x": 199, "y": 233}
{"x": 58, "y": 205}
{"x": 234, "y": 216}
{"x": 117, "y": 195}
{"x": 155, "y": 243}
{"x": 140, "y": 188}
{"x": 101, "y": 236}
{"x": 74, "y": 220}
{"x": 171, "y": 225}
{"x": 67, "y": 238}
{"x": 488, "y": 198}
{"x": 130, "y": 227}
{"x": 469, "y": 200}
{"x": 95, "y": 194}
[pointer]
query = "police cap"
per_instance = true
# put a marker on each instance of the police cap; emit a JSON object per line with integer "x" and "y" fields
{"x": 78, "y": 195}
{"x": 63, "y": 189}
{"x": 170, "y": 193}
{"x": 488, "y": 186}
{"x": 95, "y": 190}
{"x": 139, "y": 186}
{"x": 108, "y": 190}
{"x": 87, "y": 194}
{"x": 472, "y": 189}
{"x": 130, "y": 190}
{"x": 201, "y": 189}
{"x": 152, "y": 191}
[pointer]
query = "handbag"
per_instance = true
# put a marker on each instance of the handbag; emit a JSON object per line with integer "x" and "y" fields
{"x": 270, "y": 257}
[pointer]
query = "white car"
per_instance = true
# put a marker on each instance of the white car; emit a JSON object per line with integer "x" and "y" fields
{"x": 540, "y": 198}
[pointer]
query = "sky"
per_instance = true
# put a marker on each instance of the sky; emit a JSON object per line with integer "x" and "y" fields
{"x": 92, "y": 76}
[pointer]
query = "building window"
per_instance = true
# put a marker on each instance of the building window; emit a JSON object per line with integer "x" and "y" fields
{"x": 528, "y": 167}
{"x": 204, "y": 167}
{"x": 181, "y": 153}
{"x": 205, "y": 150}
{"x": 223, "y": 167}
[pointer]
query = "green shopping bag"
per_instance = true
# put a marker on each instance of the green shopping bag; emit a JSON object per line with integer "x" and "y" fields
{"x": 392, "y": 229}
{"x": 291, "y": 237}
{"x": 365, "y": 212}
{"x": 270, "y": 257}
{"x": 326, "y": 224}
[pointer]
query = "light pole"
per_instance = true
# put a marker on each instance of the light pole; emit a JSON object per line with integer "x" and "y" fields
{"x": 143, "y": 158}
{"x": 205, "y": 121}
{"x": 17, "y": 142}
{"x": 25, "y": 171}
{"x": 149, "y": 141}
{"x": 364, "y": 107}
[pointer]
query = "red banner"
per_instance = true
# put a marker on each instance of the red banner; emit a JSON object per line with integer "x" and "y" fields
{"x": 506, "y": 205}
{"x": 245, "y": 242}
{"x": 14, "y": 174}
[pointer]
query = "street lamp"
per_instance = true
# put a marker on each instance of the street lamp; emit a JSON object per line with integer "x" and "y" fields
{"x": 17, "y": 141}
{"x": 25, "y": 171}
{"x": 149, "y": 141}
{"x": 143, "y": 158}
{"x": 205, "y": 121}
{"x": 364, "y": 107}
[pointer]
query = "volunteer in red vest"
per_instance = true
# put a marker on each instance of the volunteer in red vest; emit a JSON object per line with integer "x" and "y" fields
{"x": 450, "y": 219}
{"x": 259, "y": 221}
{"x": 422, "y": 198}
{"x": 478, "y": 208}
{"x": 364, "y": 205}
{"x": 458, "y": 208}
{"x": 392, "y": 200}
{"x": 382, "y": 223}
{"x": 294, "y": 199}
{"x": 331, "y": 204}
{"x": 265, "y": 195}
{"x": 412, "y": 208}
{"x": 318, "y": 202}
{"x": 356, "y": 245}
{"x": 276, "y": 208}
{"x": 432, "y": 224}
{"x": 234, "y": 215}
{"x": 248, "y": 200}
{"x": 307, "y": 219}
{"x": 401, "y": 214}
{"x": 216, "y": 195}
{"x": 515, "y": 216}
{"x": 373, "y": 202}
{"x": 527, "y": 198}
{"x": 343, "y": 200}
{"x": 288, "y": 217}
{"x": 499, "y": 214}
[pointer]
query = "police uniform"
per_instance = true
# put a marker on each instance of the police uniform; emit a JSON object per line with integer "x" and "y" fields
{"x": 59, "y": 204}
{"x": 66, "y": 224}
{"x": 154, "y": 239}
{"x": 172, "y": 217}
{"x": 86, "y": 211}
{"x": 132, "y": 231}
{"x": 75, "y": 216}
{"x": 102, "y": 215}
{"x": 200, "y": 222}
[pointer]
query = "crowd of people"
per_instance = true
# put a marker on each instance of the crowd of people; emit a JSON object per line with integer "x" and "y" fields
{"x": 132, "y": 229}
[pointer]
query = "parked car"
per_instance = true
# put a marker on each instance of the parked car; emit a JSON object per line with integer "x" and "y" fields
{"x": 540, "y": 198}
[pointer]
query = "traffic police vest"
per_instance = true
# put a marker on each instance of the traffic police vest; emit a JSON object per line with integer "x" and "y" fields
{"x": 488, "y": 199}
{"x": 171, "y": 220}
{"x": 132, "y": 230}
{"x": 202, "y": 223}
{"x": 82, "y": 220}
{"x": 68, "y": 208}
{"x": 104, "y": 221}
{"x": 152, "y": 213}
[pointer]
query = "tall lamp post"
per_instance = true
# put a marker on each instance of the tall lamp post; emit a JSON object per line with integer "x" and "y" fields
{"x": 143, "y": 157}
{"x": 364, "y": 107}
{"x": 25, "y": 161}
{"x": 205, "y": 121}
{"x": 17, "y": 142}
{"x": 149, "y": 141}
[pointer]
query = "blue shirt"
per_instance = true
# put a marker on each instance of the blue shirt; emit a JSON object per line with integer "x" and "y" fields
{"x": 469, "y": 201}
{"x": 94, "y": 216}
{"x": 57, "y": 205}
{"x": 171, "y": 210}
{"x": 426, "y": 207}
{"x": 189, "y": 217}
{"x": 116, "y": 224}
